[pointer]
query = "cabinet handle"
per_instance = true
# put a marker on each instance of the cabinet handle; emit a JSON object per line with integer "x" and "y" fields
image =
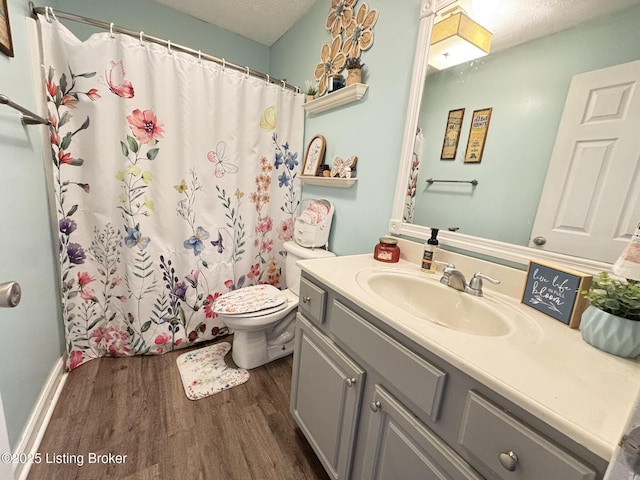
{"x": 306, "y": 299}
{"x": 351, "y": 382}
{"x": 375, "y": 406}
{"x": 509, "y": 460}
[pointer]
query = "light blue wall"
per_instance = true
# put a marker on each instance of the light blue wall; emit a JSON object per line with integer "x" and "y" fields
{"x": 372, "y": 129}
{"x": 526, "y": 86}
{"x": 32, "y": 331}
{"x": 163, "y": 22}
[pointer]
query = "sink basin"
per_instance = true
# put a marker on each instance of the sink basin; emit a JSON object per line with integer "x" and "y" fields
{"x": 426, "y": 298}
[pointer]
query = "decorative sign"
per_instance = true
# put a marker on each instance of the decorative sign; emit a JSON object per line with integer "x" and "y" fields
{"x": 555, "y": 291}
{"x": 314, "y": 156}
{"x": 477, "y": 135}
{"x": 452, "y": 134}
{"x": 6, "y": 44}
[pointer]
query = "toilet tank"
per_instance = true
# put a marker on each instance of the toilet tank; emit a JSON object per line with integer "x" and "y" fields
{"x": 296, "y": 252}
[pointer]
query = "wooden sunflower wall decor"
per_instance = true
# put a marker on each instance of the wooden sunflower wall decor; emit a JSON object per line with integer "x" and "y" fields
{"x": 351, "y": 34}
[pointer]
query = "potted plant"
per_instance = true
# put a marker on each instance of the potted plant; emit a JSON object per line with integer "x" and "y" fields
{"x": 354, "y": 68}
{"x": 311, "y": 90}
{"x": 612, "y": 320}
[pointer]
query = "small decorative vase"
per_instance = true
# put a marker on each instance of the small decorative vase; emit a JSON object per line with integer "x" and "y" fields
{"x": 354, "y": 76}
{"x": 310, "y": 98}
{"x": 610, "y": 333}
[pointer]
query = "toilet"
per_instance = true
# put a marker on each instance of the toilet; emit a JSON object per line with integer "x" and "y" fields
{"x": 262, "y": 317}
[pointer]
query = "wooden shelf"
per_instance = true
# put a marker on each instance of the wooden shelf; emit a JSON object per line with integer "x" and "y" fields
{"x": 334, "y": 182}
{"x": 345, "y": 95}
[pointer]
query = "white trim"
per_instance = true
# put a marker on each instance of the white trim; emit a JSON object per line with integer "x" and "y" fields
{"x": 498, "y": 250}
{"x": 34, "y": 430}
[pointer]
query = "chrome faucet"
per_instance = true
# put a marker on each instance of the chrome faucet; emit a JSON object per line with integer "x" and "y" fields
{"x": 455, "y": 279}
{"x": 475, "y": 284}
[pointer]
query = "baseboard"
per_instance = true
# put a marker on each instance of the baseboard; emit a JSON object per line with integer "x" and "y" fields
{"x": 32, "y": 434}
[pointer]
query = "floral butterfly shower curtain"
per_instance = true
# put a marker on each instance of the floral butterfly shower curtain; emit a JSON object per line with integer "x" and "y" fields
{"x": 174, "y": 179}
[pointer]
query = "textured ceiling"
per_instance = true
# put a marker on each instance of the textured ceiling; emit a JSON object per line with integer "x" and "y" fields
{"x": 263, "y": 21}
{"x": 512, "y": 22}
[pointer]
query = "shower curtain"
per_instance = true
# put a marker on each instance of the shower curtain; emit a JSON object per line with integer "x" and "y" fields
{"x": 174, "y": 180}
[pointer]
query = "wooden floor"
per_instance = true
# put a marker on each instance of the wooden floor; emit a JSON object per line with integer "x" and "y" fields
{"x": 137, "y": 407}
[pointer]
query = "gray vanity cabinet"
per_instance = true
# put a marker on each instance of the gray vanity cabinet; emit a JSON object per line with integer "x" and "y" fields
{"x": 375, "y": 405}
{"x": 326, "y": 394}
{"x": 398, "y": 446}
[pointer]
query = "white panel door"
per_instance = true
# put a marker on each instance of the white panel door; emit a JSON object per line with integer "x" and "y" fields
{"x": 590, "y": 203}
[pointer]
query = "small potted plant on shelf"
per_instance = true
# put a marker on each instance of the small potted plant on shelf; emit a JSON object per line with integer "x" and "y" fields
{"x": 311, "y": 90}
{"x": 354, "y": 68}
{"x": 612, "y": 320}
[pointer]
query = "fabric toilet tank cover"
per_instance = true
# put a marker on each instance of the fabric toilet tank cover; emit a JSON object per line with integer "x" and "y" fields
{"x": 249, "y": 299}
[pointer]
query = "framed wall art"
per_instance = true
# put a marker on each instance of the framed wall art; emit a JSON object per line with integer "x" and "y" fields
{"x": 314, "y": 157}
{"x": 555, "y": 291}
{"x": 6, "y": 44}
{"x": 452, "y": 134}
{"x": 477, "y": 135}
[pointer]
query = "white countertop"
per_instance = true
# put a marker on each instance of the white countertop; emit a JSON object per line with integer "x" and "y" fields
{"x": 579, "y": 390}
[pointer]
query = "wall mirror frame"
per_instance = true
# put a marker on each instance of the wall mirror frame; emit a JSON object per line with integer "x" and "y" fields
{"x": 500, "y": 251}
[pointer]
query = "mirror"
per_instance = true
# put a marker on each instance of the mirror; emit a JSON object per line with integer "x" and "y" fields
{"x": 526, "y": 86}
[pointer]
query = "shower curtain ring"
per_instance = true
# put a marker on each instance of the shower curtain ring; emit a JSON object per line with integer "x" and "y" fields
{"x": 141, "y": 37}
{"x": 46, "y": 14}
{"x": 224, "y": 64}
{"x": 247, "y": 74}
{"x": 169, "y": 46}
{"x": 297, "y": 89}
{"x": 53, "y": 14}
{"x": 199, "y": 56}
{"x": 267, "y": 79}
{"x": 111, "y": 30}
{"x": 284, "y": 84}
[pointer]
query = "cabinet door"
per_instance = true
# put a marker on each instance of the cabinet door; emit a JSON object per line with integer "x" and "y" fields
{"x": 398, "y": 446}
{"x": 326, "y": 390}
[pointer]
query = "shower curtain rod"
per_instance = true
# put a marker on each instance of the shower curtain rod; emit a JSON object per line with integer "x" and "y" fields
{"x": 28, "y": 117}
{"x": 166, "y": 43}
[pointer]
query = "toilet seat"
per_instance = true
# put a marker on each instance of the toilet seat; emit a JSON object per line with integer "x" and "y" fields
{"x": 251, "y": 301}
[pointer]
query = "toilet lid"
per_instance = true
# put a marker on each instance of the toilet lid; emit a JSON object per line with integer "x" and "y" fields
{"x": 249, "y": 299}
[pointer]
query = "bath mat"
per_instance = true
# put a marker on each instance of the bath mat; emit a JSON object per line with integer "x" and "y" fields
{"x": 204, "y": 371}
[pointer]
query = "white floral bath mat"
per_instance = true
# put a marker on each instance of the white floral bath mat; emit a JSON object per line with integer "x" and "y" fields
{"x": 204, "y": 371}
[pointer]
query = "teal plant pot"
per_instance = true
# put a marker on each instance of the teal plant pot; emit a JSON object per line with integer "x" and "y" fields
{"x": 610, "y": 333}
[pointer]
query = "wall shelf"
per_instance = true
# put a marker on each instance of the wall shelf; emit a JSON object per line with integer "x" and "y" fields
{"x": 335, "y": 182}
{"x": 345, "y": 95}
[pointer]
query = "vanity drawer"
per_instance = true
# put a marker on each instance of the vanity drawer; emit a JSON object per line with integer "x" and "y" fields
{"x": 489, "y": 433}
{"x": 421, "y": 382}
{"x": 311, "y": 301}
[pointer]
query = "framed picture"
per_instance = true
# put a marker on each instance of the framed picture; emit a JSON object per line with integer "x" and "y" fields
{"x": 477, "y": 135}
{"x": 555, "y": 291}
{"x": 6, "y": 44}
{"x": 314, "y": 157}
{"x": 452, "y": 134}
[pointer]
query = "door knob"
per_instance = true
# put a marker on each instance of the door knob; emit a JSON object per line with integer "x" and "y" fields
{"x": 10, "y": 294}
{"x": 306, "y": 299}
{"x": 539, "y": 241}
{"x": 375, "y": 406}
{"x": 350, "y": 382}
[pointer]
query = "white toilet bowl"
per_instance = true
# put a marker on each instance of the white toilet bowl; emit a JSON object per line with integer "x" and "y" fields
{"x": 262, "y": 317}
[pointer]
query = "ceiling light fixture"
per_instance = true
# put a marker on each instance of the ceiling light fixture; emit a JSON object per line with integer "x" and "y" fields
{"x": 457, "y": 39}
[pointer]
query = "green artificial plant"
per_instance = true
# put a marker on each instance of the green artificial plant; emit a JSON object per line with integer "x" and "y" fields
{"x": 617, "y": 297}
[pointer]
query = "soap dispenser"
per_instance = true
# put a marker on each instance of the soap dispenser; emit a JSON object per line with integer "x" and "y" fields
{"x": 428, "y": 256}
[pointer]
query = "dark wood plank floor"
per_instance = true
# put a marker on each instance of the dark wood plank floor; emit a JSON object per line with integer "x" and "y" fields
{"x": 136, "y": 407}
